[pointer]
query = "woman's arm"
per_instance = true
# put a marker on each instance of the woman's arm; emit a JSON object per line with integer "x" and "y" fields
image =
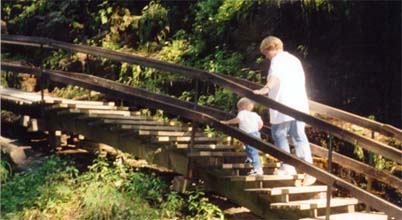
{"x": 272, "y": 80}
{"x": 231, "y": 121}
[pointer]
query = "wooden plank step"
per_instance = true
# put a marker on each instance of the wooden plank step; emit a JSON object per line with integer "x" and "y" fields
{"x": 184, "y": 139}
{"x": 86, "y": 106}
{"x": 127, "y": 122}
{"x": 206, "y": 147}
{"x": 167, "y": 133}
{"x": 101, "y": 107}
{"x": 315, "y": 203}
{"x": 265, "y": 178}
{"x": 110, "y": 112}
{"x": 62, "y": 111}
{"x": 289, "y": 190}
{"x": 28, "y": 97}
{"x": 216, "y": 154}
{"x": 149, "y": 127}
{"x": 111, "y": 116}
{"x": 82, "y": 102}
{"x": 248, "y": 166}
{"x": 352, "y": 216}
{"x": 19, "y": 101}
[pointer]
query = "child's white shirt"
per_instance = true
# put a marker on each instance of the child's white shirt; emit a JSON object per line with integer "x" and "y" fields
{"x": 248, "y": 121}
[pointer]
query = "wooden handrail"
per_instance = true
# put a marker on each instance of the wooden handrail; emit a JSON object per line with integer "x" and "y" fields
{"x": 382, "y": 128}
{"x": 129, "y": 93}
{"x": 366, "y": 143}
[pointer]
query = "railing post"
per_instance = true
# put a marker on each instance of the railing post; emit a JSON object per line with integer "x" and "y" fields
{"x": 369, "y": 179}
{"x": 87, "y": 71}
{"x": 41, "y": 79}
{"x": 193, "y": 132}
{"x": 233, "y": 110}
{"x": 329, "y": 189}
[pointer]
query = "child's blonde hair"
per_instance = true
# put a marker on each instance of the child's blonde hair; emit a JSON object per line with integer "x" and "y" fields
{"x": 246, "y": 103}
{"x": 271, "y": 42}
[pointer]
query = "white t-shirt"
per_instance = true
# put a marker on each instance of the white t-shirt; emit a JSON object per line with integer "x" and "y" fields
{"x": 290, "y": 89}
{"x": 248, "y": 121}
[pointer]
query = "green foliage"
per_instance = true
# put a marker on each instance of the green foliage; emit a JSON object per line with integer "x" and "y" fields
{"x": 188, "y": 96}
{"x": 202, "y": 209}
{"x": 5, "y": 167}
{"x": 104, "y": 201}
{"x": 106, "y": 191}
{"x": 53, "y": 61}
{"x": 222, "y": 99}
{"x": 214, "y": 21}
{"x": 70, "y": 92}
{"x": 153, "y": 24}
{"x": 171, "y": 208}
{"x": 145, "y": 186}
{"x": 210, "y": 131}
{"x": 237, "y": 10}
{"x": 27, "y": 10}
{"x": 23, "y": 190}
{"x": 6, "y": 78}
{"x": 223, "y": 62}
{"x": 173, "y": 51}
{"x": 358, "y": 151}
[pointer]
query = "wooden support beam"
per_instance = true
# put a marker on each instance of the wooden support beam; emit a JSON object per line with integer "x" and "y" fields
{"x": 16, "y": 153}
{"x": 54, "y": 138}
{"x": 37, "y": 124}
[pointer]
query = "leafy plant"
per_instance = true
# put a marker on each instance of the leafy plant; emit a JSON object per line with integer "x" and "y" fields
{"x": 153, "y": 24}
{"x": 172, "y": 207}
{"x": 146, "y": 186}
{"x": 222, "y": 98}
{"x": 70, "y": 92}
{"x": 5, "y": 167}
{"x": 22, "y": 190}
{"x": 201, "y": 208}
{"x": 358, "y": 151}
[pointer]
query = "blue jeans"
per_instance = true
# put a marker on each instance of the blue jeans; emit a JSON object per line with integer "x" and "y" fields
{"x": 251, "y": 152}
{"x": 296, "y": 131}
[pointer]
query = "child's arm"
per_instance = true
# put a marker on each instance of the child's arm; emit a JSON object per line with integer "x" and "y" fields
{"x": 231, "y": 121}
{"x": 260, "y": 123}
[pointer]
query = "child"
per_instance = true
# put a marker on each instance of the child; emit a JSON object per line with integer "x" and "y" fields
{"x": 250, "y": 122}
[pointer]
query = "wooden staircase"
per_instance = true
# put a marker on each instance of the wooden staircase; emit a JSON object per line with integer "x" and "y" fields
{"x": 283, "y": 196}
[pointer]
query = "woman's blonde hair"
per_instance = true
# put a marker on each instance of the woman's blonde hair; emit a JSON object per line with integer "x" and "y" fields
{"x": 271, "y": 42}
{"x": 245, "y": 102}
